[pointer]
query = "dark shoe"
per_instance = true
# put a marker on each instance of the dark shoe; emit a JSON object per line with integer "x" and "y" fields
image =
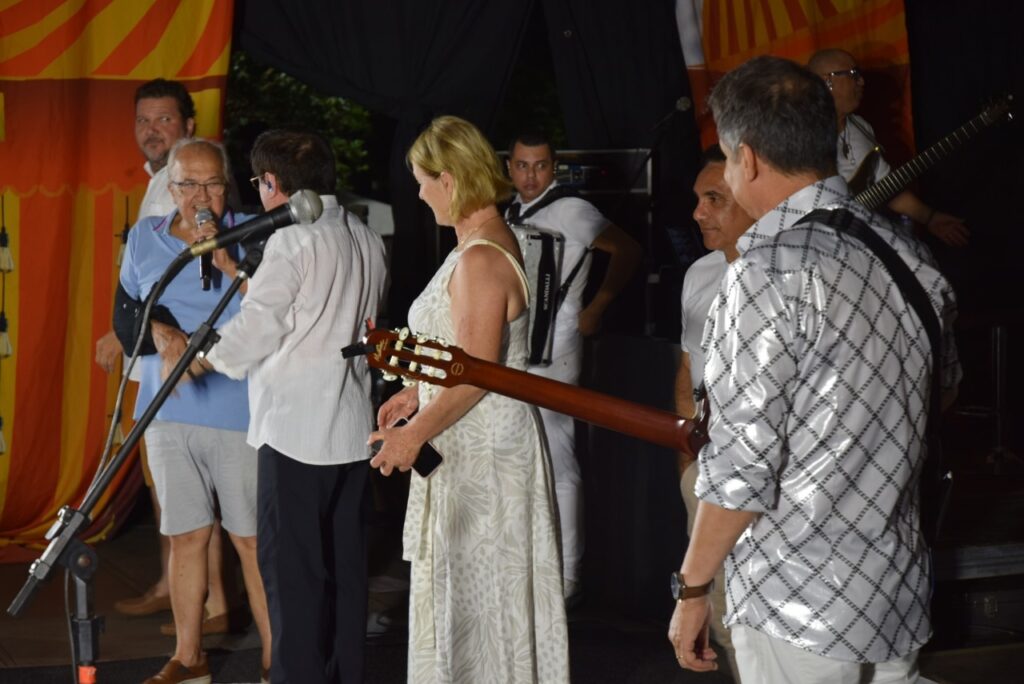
{"x": 220, "y": 624}
{"x": 176, "y": 673}
{"x": 147, "y": 604}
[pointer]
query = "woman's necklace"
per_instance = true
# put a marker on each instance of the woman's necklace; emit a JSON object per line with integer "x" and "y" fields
{"x": 474, "y": 231}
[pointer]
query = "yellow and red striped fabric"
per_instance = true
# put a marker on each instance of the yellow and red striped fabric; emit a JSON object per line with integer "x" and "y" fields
{"x": 874, "y": 31}
{"x": 71, "y": 176}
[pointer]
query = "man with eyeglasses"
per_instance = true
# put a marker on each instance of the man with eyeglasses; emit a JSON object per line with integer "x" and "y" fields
{"x": 857, "y": 141}
{"x": 311, "y": 412}
{"x": 197, "y": 448}
{"x": 164, "y": 114}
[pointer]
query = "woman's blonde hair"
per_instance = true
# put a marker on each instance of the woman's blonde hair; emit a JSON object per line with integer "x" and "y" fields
{"x": 454, "y": 145}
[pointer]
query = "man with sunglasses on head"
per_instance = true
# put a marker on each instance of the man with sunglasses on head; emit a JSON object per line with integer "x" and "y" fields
{"x": 197, "y": 448}
{"x": 856, "y": 141}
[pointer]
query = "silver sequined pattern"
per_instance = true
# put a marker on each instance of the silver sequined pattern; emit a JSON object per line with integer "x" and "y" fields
{"x": 818, "y": 379}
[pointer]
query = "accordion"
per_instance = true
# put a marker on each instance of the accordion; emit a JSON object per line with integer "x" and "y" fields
{"x": 542, "y": 260}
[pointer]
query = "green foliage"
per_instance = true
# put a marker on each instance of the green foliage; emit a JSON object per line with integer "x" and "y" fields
{"x": 260, "y": 97}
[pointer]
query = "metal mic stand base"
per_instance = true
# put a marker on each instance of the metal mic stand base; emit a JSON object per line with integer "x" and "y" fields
{"x": 65, "y": 547}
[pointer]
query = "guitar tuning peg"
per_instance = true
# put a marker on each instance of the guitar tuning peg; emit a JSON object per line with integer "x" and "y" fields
{"x": 408, "y": 383}
{"x": 413, "y": 366}
{"x": 403, "y": 333}
{"x": 390, "y": 377}
{"x": 398, "y": 345}
{"x": 393, "y": 361}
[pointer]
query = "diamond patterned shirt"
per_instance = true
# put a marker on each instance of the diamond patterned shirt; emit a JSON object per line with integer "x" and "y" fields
{"x": 818, "y": 376}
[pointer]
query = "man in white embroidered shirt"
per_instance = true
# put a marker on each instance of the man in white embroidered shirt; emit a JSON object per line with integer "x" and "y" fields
{"x": 310, "y": 413}
{"x": 819, "y": 378}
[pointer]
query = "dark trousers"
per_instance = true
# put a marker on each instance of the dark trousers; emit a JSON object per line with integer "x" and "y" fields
{"x": 311, "y": 545}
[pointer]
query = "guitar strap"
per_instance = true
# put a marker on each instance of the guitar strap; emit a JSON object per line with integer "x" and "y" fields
{"x": 936, "y": 480}
{"x": 867, "y": 134}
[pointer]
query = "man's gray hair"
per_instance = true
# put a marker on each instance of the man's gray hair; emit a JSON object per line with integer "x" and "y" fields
{"x": 781, "y": 111}
{"x": 210, "y": 145}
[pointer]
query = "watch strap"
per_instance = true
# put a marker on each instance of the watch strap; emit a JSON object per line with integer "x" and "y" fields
{"x": 682, "y": 591}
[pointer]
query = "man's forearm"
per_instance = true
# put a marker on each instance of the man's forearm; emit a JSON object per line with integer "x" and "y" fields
{"x": 908, "y": 204}
{"x": 715, "y": 533}
{"x": 685, "y": 406}
{"x": 624, "y": 255}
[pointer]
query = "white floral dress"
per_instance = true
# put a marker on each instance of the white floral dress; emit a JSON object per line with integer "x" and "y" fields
{"x": 486, "y": 597}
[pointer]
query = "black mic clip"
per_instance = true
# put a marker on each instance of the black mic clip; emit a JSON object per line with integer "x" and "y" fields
{"x": 206, "y": 260}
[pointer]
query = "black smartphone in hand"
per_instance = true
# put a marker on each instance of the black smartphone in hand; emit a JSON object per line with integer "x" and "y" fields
{"x": 427, "y": 461}
{"x": 429, "y": 457}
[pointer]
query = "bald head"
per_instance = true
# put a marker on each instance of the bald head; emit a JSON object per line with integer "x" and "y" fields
{"x": 824, "y": 61}
{"x": 838, "y": 68}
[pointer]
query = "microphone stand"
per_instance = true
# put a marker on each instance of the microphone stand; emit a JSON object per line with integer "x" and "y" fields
{"x": 65, "y": 548}
{"x": 653, "y": 275}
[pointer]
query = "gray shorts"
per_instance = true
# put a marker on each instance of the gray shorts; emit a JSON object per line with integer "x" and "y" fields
{"x": 195, "y": 468}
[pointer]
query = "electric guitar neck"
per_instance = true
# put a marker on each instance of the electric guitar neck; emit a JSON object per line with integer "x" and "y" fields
{"x": 895, "y": 181}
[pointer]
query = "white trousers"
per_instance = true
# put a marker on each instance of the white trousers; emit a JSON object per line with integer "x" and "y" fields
{"x": 766, "y": 660}
{"x": 561, "y": 434}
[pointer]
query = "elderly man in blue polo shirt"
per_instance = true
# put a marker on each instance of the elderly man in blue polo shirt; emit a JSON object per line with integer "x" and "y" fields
{"x": 197, "y": 448}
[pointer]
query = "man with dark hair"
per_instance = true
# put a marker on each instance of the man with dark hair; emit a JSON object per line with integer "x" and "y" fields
{"x": 164, "y": 113}
{"x": 310, "y": 412}
{"x": 531, "y": 165}
{"x": 819, "y": 378}
{"x": 722, "y": 221}
{"x": 857, "y": 145}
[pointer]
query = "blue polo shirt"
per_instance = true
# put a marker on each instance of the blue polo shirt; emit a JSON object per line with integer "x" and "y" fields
{"x": 214, "y": 400}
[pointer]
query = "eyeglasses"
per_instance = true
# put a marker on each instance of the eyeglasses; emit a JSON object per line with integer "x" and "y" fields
{"x": 213, "y": 188}
{"x": 853, "y": 73}
{"x": 255, "y": 182}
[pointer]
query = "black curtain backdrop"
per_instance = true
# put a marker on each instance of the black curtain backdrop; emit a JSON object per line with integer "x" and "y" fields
{"x": 619, "y": 67}
{"x": 411, "y": 60}
{"x": 963, "y": 56}
{"x": 620, "y": 73}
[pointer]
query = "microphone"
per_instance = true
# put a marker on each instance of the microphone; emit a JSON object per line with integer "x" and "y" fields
{"x": 302, "y": 207}
{"x": 206, "y": 260}
{"x": 683, "y": 104}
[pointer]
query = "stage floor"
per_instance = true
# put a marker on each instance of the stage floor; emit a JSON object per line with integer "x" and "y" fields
{"x": 603, "y": 647}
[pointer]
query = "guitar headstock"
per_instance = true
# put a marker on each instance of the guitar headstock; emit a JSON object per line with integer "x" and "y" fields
{"x": 1001, "y": 108}
{"x": 414, "y": 358}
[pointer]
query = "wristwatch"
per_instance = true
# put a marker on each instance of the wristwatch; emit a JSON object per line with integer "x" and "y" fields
{"x": 681, "y": 590}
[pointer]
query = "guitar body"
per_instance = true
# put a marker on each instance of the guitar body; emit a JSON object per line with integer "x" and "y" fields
{"x": 865, "y": 173}
{"x": 423, "y": 359}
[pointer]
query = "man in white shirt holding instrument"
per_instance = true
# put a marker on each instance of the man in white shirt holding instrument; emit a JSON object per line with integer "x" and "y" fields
{"x": 542, "y": 202}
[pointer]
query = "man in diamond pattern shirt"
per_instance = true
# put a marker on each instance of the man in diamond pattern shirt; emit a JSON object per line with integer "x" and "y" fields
{"x": 818, "y": 377}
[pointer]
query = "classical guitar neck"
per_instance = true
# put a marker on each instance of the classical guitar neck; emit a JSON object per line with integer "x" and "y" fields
{"x": 422, "y": 359}
{"x": 643, "y": 422}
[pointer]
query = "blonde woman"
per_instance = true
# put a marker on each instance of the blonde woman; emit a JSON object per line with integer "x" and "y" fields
{"x": 486, "y": 599}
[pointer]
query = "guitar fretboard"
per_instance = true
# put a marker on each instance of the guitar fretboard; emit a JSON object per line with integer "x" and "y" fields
{"x": 894, "y": 182}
